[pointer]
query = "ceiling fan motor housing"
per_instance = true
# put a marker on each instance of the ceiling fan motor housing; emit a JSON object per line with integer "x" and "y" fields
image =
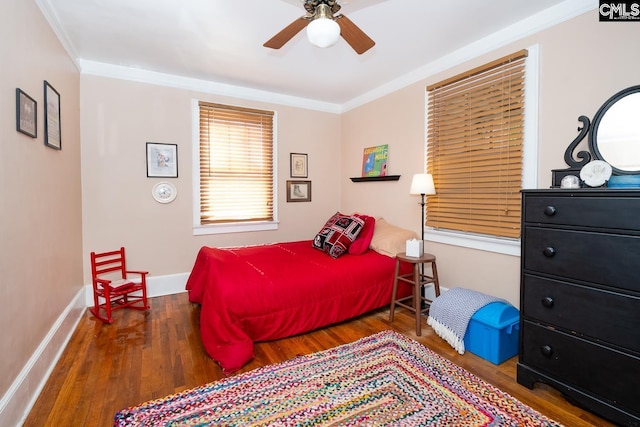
{"x": 311, "y": 6}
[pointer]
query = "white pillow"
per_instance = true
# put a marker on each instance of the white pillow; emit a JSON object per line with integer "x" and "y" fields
{"x": 389, "y": 239}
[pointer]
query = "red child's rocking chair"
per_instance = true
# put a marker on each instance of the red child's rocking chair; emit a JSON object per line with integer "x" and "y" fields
{"x": 112, "y": 289}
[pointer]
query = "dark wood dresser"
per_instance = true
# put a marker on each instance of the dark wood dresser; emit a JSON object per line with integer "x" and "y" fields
{"x": 580, "y": 298}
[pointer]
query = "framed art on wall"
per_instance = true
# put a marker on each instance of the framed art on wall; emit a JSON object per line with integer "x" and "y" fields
{"x": 26, "y": 114}
{"x": 299, "y": 168}
{"x": 162, "y": 160}
{"x": 374, "y": 161}
{"x": 298, "y": 191}
{"x": 52, "y": 126}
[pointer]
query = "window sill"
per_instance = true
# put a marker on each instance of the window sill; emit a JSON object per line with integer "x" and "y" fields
{"x": 484, "y": 243}
{"x": 234, "y": 227}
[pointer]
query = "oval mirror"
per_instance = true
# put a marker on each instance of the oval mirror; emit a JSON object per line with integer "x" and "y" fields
{"x": 615, "y": 132}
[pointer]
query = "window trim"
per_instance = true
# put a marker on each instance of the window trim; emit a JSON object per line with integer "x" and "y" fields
{"x": 501, "y": 245}
{"x": 230, "y": 227}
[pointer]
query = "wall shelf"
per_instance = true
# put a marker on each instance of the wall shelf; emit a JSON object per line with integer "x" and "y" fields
{"x": 375, "y": 178}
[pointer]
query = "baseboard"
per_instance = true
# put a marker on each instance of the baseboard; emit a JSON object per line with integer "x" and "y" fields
{"x": 17, "y": 402}
{"x": 157, "y": 286}
{"x": 19, "y": 399}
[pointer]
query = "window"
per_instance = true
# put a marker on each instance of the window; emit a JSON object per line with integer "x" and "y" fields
{"x": 236, "y": 168}
{"x": 475, "y": 146}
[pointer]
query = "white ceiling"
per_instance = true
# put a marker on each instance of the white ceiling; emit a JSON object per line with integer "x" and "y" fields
{"x": 220, "y": 41}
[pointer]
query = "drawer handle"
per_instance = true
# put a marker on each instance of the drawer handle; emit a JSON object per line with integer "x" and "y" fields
{"x": 547, "y": 302}
{"x": 546, "y": 350}
{"x": 550, "y": 210}
{"x": 549, "y": 251}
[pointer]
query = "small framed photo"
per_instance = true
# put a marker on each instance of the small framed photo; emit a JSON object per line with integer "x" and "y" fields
{"x": 162, "y": 160}
{"x": 52, "y": 126}
{"x": 26, "y": 114}
{"x": 299, "y": 167}
{"x": 298, "y": 191}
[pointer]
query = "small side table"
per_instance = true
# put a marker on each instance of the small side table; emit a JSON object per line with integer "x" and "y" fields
{"x": 418, "y": 280}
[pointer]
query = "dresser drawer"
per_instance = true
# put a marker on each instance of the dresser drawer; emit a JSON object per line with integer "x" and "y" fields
{"x": 609, "y": 374}
{"x": 608, "y": 317}
{"x": 607, "y": 212}
{"x": 603, "y": 258}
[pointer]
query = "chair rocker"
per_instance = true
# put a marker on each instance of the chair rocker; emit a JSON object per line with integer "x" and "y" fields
{"x": 112, "y": 287}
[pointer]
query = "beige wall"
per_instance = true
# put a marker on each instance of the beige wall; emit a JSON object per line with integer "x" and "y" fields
{"x": 119, "y": 117}
{"x": 582, "y": 63}
{"x": 40, "y": 218}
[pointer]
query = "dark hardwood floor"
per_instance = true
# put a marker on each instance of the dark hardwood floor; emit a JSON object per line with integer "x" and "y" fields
{"x": 148, "y": 355}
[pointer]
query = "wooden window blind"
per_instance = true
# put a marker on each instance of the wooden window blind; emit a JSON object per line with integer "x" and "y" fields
{"x": 236, "y": 164}
{"x": 475, "y": 138}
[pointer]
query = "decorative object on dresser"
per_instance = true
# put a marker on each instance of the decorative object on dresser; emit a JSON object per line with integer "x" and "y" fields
{"x": 570, "y": 181}
{"x": 596, "y": 173}
{"x": 614, "y": 138}
{"x": 580, "y": 297}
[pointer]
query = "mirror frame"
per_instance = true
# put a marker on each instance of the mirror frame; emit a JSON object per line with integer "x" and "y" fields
{"x": 593, "y": 134}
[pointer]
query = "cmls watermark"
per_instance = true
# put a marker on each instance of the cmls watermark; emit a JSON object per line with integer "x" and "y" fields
{"x": 619, "y": 11}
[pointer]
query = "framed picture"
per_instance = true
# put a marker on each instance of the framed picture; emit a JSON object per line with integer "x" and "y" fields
{"x": 162, "y": 160}
{"x": 298, "y": 191}
{"x": 299, "y": 167}
{"x": 26, "y": 114}
{"x": 52, "y": 131}
{"x": 374, "y": 161}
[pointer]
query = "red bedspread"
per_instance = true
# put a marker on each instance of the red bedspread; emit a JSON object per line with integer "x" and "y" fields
{"x": 266, "y": 292}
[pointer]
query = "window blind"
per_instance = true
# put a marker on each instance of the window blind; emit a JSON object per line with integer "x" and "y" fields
{"x": 475, "y": 138}
{"x": 236, "y": 164}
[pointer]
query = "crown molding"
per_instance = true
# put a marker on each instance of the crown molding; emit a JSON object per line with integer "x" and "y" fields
{"x": 52, "y": 18}
{"x": 548, "y": 18}
{"x": 555, "y": 15}
{"x": 161, "y": 79}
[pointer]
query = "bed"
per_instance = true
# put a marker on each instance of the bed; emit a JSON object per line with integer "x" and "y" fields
{"x": 272, "y": 291}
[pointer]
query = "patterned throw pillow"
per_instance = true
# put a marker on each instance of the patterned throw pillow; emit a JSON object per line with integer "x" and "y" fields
{"x": 361, "y": 245}
{"x": 337, "y": 234}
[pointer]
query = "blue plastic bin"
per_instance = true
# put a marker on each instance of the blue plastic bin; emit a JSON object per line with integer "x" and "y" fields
{"x": 492, "y": 332}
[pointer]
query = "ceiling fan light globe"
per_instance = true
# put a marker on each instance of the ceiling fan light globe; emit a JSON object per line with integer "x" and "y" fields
{"x": 323, "y": 32}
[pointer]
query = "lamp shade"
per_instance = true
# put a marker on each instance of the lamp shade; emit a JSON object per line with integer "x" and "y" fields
{"x": 422, "y": 183}
{"x": 323, "y": 32}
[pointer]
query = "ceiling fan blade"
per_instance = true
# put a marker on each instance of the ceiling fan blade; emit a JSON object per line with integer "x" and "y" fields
{"x": 359, "y": 41}
{"x": 287, "y": 33}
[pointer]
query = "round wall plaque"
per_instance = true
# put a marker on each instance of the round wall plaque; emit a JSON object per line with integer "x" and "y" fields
{"x": 164, "y": 192}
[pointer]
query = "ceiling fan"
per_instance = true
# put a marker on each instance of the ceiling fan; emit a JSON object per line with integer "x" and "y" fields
{"x": 324, "y": 28}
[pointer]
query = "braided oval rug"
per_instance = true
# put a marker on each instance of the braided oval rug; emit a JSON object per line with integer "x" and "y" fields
{"x": 381, "y": 380}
